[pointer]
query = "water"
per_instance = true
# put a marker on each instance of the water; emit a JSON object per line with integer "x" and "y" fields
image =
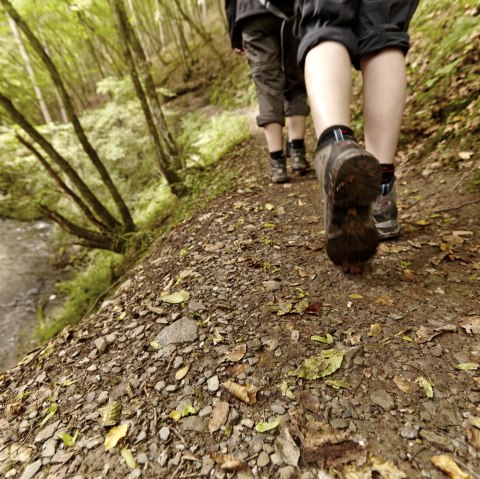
{"x": 26, "y": 272}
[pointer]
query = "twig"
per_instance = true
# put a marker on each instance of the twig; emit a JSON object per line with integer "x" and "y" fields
{"x": 452, "y": 208}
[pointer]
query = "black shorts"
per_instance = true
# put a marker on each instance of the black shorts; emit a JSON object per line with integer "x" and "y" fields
{"x": 271, "y": 51}
{"x": 362, "y": 26}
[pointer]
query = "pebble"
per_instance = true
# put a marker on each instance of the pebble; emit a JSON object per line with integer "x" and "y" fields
{"x": 277, "y": 409}
{"x": 164, "y": 433}
{"x": 177, "y": 362}
{"x": 102, "y": 397}
{"x": 159, "y": 386}
{"x": 437, "y": 440}
{"x": 110, "y": 338}
{"x": 206, "y": 411}
{"x": 47, "y": 433}
{"x": 31, "y": 469}
{"x": 263, "y": 459}
{"x": 180, "y": 331}
{"x": 381, "y": 398}
{"x": 101, "y": 345}
{"x": 49, "y": 448}
{"x": 339, "y": 423}
{"x": 409, "y": 431}
{"x": 213, "y": 384}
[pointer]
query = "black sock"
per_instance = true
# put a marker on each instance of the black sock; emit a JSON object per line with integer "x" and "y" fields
{"x": 277, "y": 155}
{"x": 337, "y": 133}
{"x": 388, "y": 172}
{"x": 297, "y": 144}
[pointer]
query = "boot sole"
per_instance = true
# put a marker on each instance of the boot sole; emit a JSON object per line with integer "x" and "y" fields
{"x": 353, "y": 238}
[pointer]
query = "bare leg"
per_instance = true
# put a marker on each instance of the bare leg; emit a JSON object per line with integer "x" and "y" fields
{"x": 296, "y": 127}
{"x": 274, "y": 136}
{"x": 328, "y": 78}
{"x": 384, "y": 94}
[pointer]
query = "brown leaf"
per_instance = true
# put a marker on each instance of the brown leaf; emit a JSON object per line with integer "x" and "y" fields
{"x": 473, "y": 436}
{"x": 375, "y": 330}
{"x": 237, "y": 353}
{"x": 403, "y": 385}
{"x": 314, "y": 308}
{"x": 228, "y": 462}
{"x": 471, "y": 324}
{"x": 246, "y": 393}
{"x": 219, "y": 416}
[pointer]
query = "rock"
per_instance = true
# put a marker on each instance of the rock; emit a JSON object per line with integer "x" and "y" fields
{"x": 288, "y": 472}
{"x": 31, "y": 469}
{"x": 409, "y": 431}
{"x": 339, "y": 423}
{"x": 381, "y": 398}
{"x": 247, "y": 423}
{"x": 47, "y": 433}
{"x": 437, "y": 440}
{"x": 61, "y": 457}
{"x": 272, "y": 285}
{"x": 49, "y": 448}
{"x": 101, "y": 345}
{"x": 196, "y": 306}
{"x": 206, "y": 411}
{"x": 263, "y": 459}
{"x": 446, "y": 415}
{"x": 193, "y": 423}
{"x": 102, "y": 398}
{"x": 178, "y": 332}
{"x": 277, "y": 409}
{"x": 213, "y": 384}
{"x": 350, "y": 354}
{"x": 207, "y": 466}
{"x": 164, "y": 433}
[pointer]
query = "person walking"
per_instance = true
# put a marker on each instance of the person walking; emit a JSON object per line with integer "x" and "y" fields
{"x": 358, "y": 184}
{"x": 266, "y": 38}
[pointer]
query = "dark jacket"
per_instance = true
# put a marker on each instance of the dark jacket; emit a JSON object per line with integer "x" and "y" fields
{"x": 239, "y": 10}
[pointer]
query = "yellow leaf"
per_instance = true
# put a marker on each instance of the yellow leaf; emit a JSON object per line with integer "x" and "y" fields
{"x": 237, "y": 353}
{"x": 175, "y": 298}
{"x": 269, "y": 207}
{"x": 328, "y": 339}
{"x": 467, "y": 366}
{"x": 114, "y": 435}
{"x": 129, "y": 459}
{"x": 111, "y": 412}
{"x": 403, "y": 385}
{"x": 447, "y": 464}
{"x": 426, "y": 385}
{"x": 175, "y": 415}
{"x": 422, "y": 222}
{"x": 356, "y": 296}
{"x": 181, "y": 373}
{"x": 375, "y": 330}
{"x": 267, "y": 426}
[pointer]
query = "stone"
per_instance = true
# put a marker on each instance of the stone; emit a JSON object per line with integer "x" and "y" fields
{"x": 272, "y": 285}
{"x": 277, "y": 409}
{"x": 263, "y": 459}
{"x": 437, "y": 440}
{"x": 102, "y": 398}
{"x": 193, "y": 423}
{"x": 381, "y": 398}
{"x": 101, "y": 345}
{"x": 180, "y": 331}
{"x": 288, "y": 472}
{"x": 164, "y": 433}
{"x": 206, "y": 411}
{"x": 196, "y": 306}
{"x": 47, "y": 433}
{"x": 31, "y": 469}
{"x": 409, "y": 431}
{"x": 339, "y": 423}
{"x": 213, "y": 384}
{"x": 49, "y": 448}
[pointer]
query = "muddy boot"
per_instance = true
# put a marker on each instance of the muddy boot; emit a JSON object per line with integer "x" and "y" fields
{"x": 298, "y": 158}
{"x": 350, "y": 180}
{"x": 279, "y": 170}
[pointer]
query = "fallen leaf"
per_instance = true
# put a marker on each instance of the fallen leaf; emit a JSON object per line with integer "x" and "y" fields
{"x": 175, "y": 415}
{"x": 176, "y": 298}
{"x": 128, "y": 457}
{"x": 284, "y": 308}
{"x": 386, "y": 300}
{"x": 237, "y": 353}
{"x": 337, "y": 384}
{"x": 269, "y": 207}
{"x": 408, "y": 339}
{"x": 356, "y": 296}
{"x": 155, "y": 345}
{"x": 473, "y": 436}
{"x": 181, "y": 373}
{"x": 471, "y": 324}
{"x": 219, "y": 416}
{"x": 447, "y": 464}
{"x": 50, "y": 412}
{"x": 387, "y": 469}
{"x": 375, "y": 330}
{"x": 314, "y": 308}
{"x": 285, "y": 390}
{"x": 328, "y": 339}
{"x": 422, "y": 222}
{"x": 245, "y": 392}
{"x": 114, "y": 435}
{"x": 267, "y": 426}
{"x": 324, "y": 364}
{"x": 111, "y": 412}
{"x": 68, "y": 440}
{"x": 217, "y": 337}
{"x": 228, "y": 462}
{"x": 426, "y": 385}
{"x": 467, "y": 366}
{"x": 301, "y": 306}
{"x": 475, "y": 421}
{"x": 403, "y": 385}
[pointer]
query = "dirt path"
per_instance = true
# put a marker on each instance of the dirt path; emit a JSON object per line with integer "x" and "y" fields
{"x": 259, "y": 287}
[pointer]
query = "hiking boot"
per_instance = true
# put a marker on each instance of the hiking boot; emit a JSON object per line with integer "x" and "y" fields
{"x": 385, "y": 213}
{"x": 279, "y": 170}
{"x": 300, "y": 164}
{"x": 350, "y": 180}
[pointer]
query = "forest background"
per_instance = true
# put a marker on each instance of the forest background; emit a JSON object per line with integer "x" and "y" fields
{"x": 95, "y": 134}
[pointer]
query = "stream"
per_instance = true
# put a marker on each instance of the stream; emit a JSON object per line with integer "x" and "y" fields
{"x": 26, "y": 275}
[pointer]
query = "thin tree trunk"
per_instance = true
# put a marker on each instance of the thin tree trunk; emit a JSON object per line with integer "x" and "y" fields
{"x": 162, "y": 156}
{"x": 29, "y": 67}
{"x": 60, "y": 161}
{"x": 88, "y": 148}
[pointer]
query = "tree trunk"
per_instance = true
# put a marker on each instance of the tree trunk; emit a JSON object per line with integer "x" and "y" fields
{"x": 88, "y": 148}
{"x": 29, "y": 67}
